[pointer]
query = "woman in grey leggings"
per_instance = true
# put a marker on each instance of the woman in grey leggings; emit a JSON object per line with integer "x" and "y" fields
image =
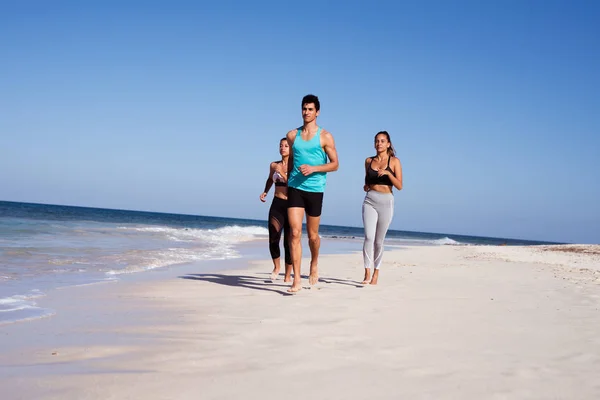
{"x": 382, "y": 172}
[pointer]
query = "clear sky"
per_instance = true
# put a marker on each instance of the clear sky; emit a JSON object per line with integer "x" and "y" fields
{"x": 173, "y": 106}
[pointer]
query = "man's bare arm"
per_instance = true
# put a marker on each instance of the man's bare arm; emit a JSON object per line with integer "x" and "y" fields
{"x": 331, "y": 151}
{"x": 290, "y": 136}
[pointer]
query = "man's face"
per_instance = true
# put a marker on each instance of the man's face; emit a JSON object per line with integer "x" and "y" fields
{"x": 309, "y": 112}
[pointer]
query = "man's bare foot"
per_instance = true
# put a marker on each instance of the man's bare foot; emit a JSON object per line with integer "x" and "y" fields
{"x": 367, "y": 277}
{"x": 313, "y": 277}
{"x": 288, "y": 273}
{"x": 375, "y": 277}
{"x": 295, "y": 287}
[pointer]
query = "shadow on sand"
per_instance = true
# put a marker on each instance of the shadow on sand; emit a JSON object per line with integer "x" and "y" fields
{"x": 258, "y": 283}
{"x": 342, "y": 282}
{"x": 245, "y": 281}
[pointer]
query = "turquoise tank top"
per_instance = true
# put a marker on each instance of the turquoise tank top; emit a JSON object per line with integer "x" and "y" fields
{"x": 311, "y": 153}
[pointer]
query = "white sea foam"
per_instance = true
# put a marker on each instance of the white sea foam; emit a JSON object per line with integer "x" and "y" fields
{"x": 143, "y": 261}
{"x": 81, "y": 254}
{"x": 196, "y": 245}
{"x": 423, "y": 242}
{"x": 446, "y": 241}
{"x": 22, "y": 307}
{"x": 226, "y": 234}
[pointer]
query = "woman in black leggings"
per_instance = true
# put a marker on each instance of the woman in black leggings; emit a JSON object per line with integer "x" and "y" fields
{"x": 278, "y": 218}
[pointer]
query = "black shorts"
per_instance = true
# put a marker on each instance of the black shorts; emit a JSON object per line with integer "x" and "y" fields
{"x": 312, "y": 202}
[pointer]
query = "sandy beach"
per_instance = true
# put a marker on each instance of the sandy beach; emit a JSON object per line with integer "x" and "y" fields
{"x": 445, "y": 322}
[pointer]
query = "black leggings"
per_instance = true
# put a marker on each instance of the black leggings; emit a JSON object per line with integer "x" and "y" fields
{"x": 278, "y": 219}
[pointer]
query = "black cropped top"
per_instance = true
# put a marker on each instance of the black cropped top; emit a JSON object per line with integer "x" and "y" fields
{"x": 371, "y": 178}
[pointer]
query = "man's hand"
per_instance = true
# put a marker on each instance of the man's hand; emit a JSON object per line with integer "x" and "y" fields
{"x": 263, "y": 197}
{"x": 307, "y": 169}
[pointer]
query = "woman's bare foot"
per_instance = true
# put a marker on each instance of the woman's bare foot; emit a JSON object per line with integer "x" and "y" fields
{"x": 275, "y": 273}
{"x": 367, "y": 277}
{"x": 295, "y": 287}
{"x": 375, "y": 277}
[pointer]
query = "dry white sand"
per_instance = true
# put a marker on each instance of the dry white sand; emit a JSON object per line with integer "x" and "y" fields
{"x": 447, "y": 322}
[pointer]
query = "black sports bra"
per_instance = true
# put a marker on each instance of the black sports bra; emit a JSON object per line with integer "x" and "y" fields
{"x": 371, "y": 178}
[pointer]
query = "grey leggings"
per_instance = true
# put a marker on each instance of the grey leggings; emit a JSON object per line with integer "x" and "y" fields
{"x": 378, "y": 210}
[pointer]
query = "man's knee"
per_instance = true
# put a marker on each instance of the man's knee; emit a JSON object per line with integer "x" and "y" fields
{"x": 313, "y": 237}
{"x": 295, "y": 233}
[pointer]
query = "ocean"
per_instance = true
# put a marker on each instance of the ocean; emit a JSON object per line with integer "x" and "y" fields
{"x": 44, "y": 247}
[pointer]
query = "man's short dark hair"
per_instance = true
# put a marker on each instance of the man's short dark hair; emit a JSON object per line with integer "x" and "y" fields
{"x": 311, "y": 98}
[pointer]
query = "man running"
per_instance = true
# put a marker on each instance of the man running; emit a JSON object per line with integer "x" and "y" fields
{"x": 310, "y": 146}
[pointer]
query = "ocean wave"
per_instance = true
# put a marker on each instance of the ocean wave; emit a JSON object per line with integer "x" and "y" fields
{"x": 197, "y": 245}
{"x": 398, "y": 241}
{"x": 138, "y": 261}
{"x": 226, "y": 234}
{"x": 446, "y": 241}
{"x": 22, "y": 308}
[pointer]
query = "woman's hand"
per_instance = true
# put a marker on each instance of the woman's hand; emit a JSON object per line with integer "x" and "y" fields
{"x": 382, "y": 172}
{"x": 263, "y": 197}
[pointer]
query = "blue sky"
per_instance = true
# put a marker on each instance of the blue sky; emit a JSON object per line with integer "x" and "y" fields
{"x": 493, "y": 107}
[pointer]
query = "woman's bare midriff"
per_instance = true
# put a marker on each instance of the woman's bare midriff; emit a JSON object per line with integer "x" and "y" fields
{"x": 281, "y": 192}
{"x": 381, "y": 188}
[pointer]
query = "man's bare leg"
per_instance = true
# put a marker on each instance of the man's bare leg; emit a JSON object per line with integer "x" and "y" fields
{"x": 295, "y": 216}
{"x": 288, "y": 273}
{"x": 314, "y": 242}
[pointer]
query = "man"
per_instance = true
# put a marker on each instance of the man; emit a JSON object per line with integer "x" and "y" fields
{"x": 310, "y": 146}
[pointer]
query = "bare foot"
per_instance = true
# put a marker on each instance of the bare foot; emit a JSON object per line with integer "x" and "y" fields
{"x": 275, "y": 272}
{"x": 313, "y": 277}
{"x": 295, "y": 287}
{"x": 367, "y": 276}
{"x": 375, "y": 277}
{"x": 288, "y": 273}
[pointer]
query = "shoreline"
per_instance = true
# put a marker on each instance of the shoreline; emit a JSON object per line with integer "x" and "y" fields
{"x": 444, "y": 322}
{"x": 32, "y": 294}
